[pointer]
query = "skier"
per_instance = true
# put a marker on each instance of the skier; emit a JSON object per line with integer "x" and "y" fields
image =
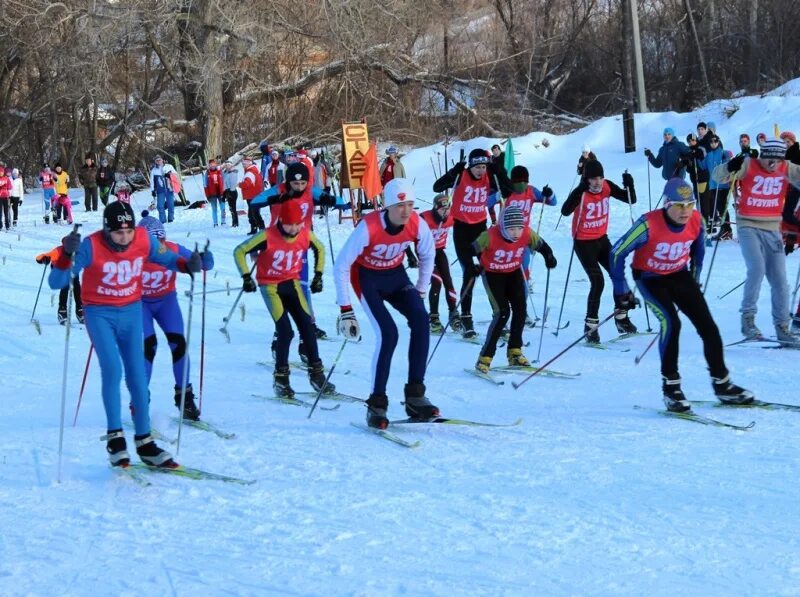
{"x": 63, "y": 205}
{"x": 47, "y": 179}
{"x": 664, "y": 241}
{"x": 440, "y": 221}
{"x": 112, "y": 260}
{"x": 230, "y": 180}
{"x": 472, "y": 183}
{"x": 105, "y": 180}
{"x": 63, "y": 295}
{"x": 252, "y": 184}
{"x": 500, "y": 251}
{"x": 586, "y": 155}
{"x": 161, "y": 189}
{"x": 6, "y": 185}
{"x": 590, "y": 239}
{"x": 17, "y": 194}
{"x": 669, "y": 156}
{"x": 214, "y": 189}
{"x": 87, "y": 176}
{"x": 276, "y": 169}
{"x": 762, "y": 184}
{"x": 371, "y": 259}
{"x": 278, "y": 267}
{"x": 160, "y": 304}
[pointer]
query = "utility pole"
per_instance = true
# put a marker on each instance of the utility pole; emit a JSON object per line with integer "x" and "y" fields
{"x": 628, "y": 128}
{"x": 637, "y": 57}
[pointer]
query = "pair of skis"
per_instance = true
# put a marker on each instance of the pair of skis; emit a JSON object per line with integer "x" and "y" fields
{"x": 519, "y": 369}
{"x": 138, "y": 473}
{"x": 704, "y": 420}
{"x": 396, "y": 439}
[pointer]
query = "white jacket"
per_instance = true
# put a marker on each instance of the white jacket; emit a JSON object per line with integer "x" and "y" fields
{"x": 17, "y": 187}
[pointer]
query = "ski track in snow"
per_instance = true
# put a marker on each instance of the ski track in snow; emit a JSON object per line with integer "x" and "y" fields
{"x": 586, "y": 497}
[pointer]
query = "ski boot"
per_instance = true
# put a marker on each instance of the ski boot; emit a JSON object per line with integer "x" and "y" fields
{"x": 62, "y": 316}
{"x": 320, "y": 334}
{"x": 117, "y": 448}
{"x": 316, "y": 377}
{"x": 436, "y": 324}
{"x": 47, "y": 218}
{"x": 728, "y": 392}
{"x": 749, "y": 329}
{"x": 590, "y": 329}
{"x": 151, "y": 454}
{"x": 190, "y": 410}
{"x": 280, "y": 382}
{"x": 674, "y": 398}
{"x": 784, "y": 335}
{"x": 79, "y": 315}
{"x": 455, "y": 321}
{"x": 624, "y": 324}
{"x": 483, "y": 364}
{"x": 795, "y": 323}
{"x": 417, "y": 405}
{"x": 376, "y": 411}
{"x": 467, "y": 330}
{"x": 516, "y": 358}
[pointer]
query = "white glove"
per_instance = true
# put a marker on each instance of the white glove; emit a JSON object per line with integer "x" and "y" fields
{"x": 347, "y": 325}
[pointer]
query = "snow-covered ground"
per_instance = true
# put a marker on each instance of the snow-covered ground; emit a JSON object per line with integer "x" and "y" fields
{"x": 587, "y": 497}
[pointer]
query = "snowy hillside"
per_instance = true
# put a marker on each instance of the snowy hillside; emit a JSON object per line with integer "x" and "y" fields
{"x": 586, "y": 497}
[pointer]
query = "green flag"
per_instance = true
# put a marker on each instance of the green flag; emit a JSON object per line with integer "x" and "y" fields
{"x": 508, "y": 163}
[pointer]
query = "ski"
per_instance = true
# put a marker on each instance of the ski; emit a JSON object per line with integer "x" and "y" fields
{"x": 633, "y": 335}
{"x": 474, "y": 340}
{"x": 206, "y": 426}
{"x": 387, "y": 435}
{"x": 753, "y": 404}
{"x": 191, "y": 473}
{"x": 601, "y": 346}
{"x": 485, "y": 376}
{"x": 532, "y": 369}
{"x": 333, "y": 396}
{"x": 695, "y": 418}
{"x": 133, "y": 475}
{"x": 445, "y": 421}
{"x": 294, "y": 401}
{"x": 300, "y": 365}
{"x": 752, "y": 341}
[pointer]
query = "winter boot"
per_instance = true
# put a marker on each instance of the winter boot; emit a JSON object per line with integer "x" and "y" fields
{"x": 624, "y": 324}
{"x": 117, "y": 448}
{"x": 674, "y": 399}
{"x": 79, "y": 315}
{"x": 749, "y": 329}
{"x": 376, "y": 411}
{"x": 436, "y": 324}
{"x": 785, "y": 336}
{"x": 190, "y": 410}
{"x": 280, "y": 383}
{"x": 795, "y": 323}
{"x": 151, "y": 454}
{"x": 455, "y": 321}
{"x": 729, "y": 393}
{"x": 467, "y": 329}
{"x": 417, "y": 405}
{"x": 590, "y": 329}
{"x": 316, "y": 377}
{"x": 483, "y": 364}
{"x": 62, "y": 316}
{"x": 47, "y": 218}
{"x": 516, "y": 358}
{"x": 320, "y": 334}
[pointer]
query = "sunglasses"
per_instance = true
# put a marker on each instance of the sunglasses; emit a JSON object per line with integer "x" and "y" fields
{"x": 684, "y": 204}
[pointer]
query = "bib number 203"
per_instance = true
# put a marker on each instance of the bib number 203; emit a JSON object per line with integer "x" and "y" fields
{"x": 673, "y": 251}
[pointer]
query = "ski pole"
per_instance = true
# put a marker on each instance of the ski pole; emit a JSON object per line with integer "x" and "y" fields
{"x": 202, "y": 341}
{"x": 464, "y": 293}
{"x": 66, "y": 361}
{"x": 328, "y": 377}
{"x": 83, "y": 384}
{"x": 551, "y": 361}
{"x": 330, "y": 241}
{"x": 564, "y": 296}
{"x": 639, "y": 358}
{"x": 227, "y": 320}
{"x": 649, "y": 194}
{"x": 544, "y": 321}
{"x": 185, "y": 377}
{"x": 35, "y": 321}
{"x": 711, "y": 265}
{"x": 571, "y": 187}
{"x": 740, "y": 284}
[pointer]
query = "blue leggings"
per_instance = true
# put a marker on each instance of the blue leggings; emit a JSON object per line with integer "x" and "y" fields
{"x": 116, "y": 333}
{"x": 375, "y": 288}
{"x": 165, "y": 201}
{"x": 166, "y": 312}
{"x": 216, "y": 202}
{"x": 47, "y": 196}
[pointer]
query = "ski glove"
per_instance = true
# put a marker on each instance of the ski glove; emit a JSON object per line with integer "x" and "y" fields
{"x": 735, "y": 164}
{"x": 248, "y": 284}
{"x": 648, "y": 153}
{"x": 195, "y": 263}
{"x": 347, "y": 324}
{"x": 626, "y": 301}
{"x": 413, "y": 262}
{"x": 547, "y": 192}
{"x": 789, "y": 242}
{"x": 627, "y": 180}
{"x": 71, "y": 242}
{"x": 316, "y": 283}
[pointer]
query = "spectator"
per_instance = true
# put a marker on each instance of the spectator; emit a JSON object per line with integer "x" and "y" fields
{"x": 744, "y": 147}
{"x": 586, "y": 155}
{"x": 230, "y": 180}
{"x": 276, "y": 172}
{"x": 266, "y": 152}
{"x": 251, "y": 186}
{"x": 105, "y": 180}
{"x": 61, "y": 201}
{"x": 761, "y": 138}
{"x": 214, "y": 189}
{"x": 704, "y": 136}
{"x": 161, "y": 189}
{"x": 498, "y": 156}
{"x": 392, "y": 167}
{"x": 17, "y": 194}
{"x": 670, "y": 157}
{"x": 714, "y": 200}
{"x": 47, "y": 180}
{"x": 5, "y": 198}
{"x": 793, "y": 149}
{"x": 322, "y": 170}
{"x": 87, "y": 176}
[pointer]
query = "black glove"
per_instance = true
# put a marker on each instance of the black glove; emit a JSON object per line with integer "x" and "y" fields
{"x": 316, "y": 283}
{"x": 194, "y": 264}
{"x": 550, "y": 260}
{"x": 458, "y": 168}
{"x": 626, "y": 301}
{"x": 648, "y": 153}
{"x": 789, "y": 242}
{"x": 413, "y": 262}
{"x": 248, "y": 284}
{"x": 735, "y": 164}
{"x": 547, "y": 192}
{"x": 627, "y": 180}
{"x": 71, "y": 242}
{"x": 698, "y": 152}
{"x": 476, "y": 270}
{"x": 686, "y": 162}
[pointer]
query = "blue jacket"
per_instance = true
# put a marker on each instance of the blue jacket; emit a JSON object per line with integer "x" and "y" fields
{"x": 669, "y": 157}
{"x": 714, "y": 158}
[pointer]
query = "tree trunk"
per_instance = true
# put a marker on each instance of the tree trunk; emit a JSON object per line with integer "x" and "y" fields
{"x": 753, "y": 61}
{"x": 700, "y": 58}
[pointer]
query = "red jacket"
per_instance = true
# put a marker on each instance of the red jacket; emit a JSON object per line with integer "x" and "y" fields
{"x": 214, "y": 184}
{"x": 252, "y": 184}
{"x": 5, "y": 186}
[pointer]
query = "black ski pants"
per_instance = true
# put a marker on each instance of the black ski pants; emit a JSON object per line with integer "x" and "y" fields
{"x": 231, "y": 196}
{"x": 286, "y": 300}
{"x": 463, "y": 237}
{"x": 507, "y": 295}
{"x": 594, "y": 254}
{"x": 76, "y": 297}
{"x": 254, "y": 217}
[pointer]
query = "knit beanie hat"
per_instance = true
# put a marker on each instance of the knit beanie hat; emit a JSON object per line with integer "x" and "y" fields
{"x": 773, "y": 149}
{"x": 118, "y": 216}
{"x": 398, "y": 190}
{"x": 788, "y": 137}
{"x": 677, "y": 190}
{"x": 152, "y": 225}
{"x": 513, "y": 217}
{"x": 441, "y": 200}
{"x": 593, "y": 169}
{"x": 519, "y": 174}
{"x": 291, "y": 213}
{"x": 297, "y": 171}
{"x": 478, "y": 157}
{"x": 669, "y": 131}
